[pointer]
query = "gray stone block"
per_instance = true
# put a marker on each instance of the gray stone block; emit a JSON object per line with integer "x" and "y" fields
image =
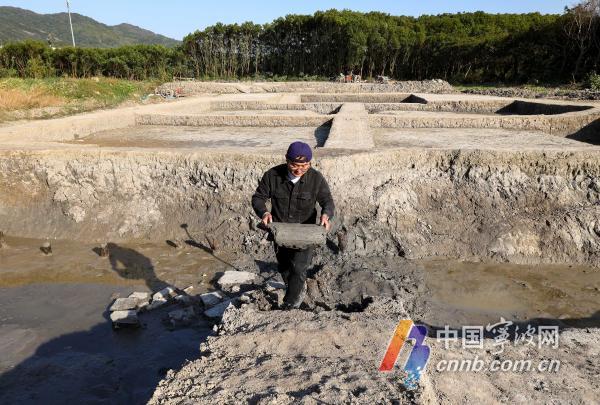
{"x": 164, "y": 294}
{"x": 218, "y": 310}
{"x": 156, "y": 303}
{"x": 211, "y": 299}
{"x": 235, "y": 278}
{"x": 143, "y": 299}
{"x": 128, "y": 317}
{"x": 124, "y": 304}
{"x": 298, "y": 236}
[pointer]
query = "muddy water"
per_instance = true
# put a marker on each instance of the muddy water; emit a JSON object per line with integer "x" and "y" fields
{"x": 56, "y": 342}
{"x": 463, "y": 293}
{"x": 143, "y": 265}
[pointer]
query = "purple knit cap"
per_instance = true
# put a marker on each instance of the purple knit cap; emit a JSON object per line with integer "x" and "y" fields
{"x": 299, "y": 152}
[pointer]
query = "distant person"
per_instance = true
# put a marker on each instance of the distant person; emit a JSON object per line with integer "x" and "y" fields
{"x": 293, "y": 188}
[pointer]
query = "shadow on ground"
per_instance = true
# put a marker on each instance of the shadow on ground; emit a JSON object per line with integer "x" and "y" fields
{"x": 79, "y": 358}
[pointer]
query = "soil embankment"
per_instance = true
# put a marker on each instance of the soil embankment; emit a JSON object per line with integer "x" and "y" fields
{"x": 522, "y": 207}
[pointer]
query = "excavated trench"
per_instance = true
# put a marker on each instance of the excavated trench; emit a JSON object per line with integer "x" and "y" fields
{"x": 447, "y": 219}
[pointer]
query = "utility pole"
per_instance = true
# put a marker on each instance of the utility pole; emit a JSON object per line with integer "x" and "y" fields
{"x": 70, "y": 22}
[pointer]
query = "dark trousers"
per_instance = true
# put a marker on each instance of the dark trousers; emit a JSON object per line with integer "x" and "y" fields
{"x": 293, "y": 265}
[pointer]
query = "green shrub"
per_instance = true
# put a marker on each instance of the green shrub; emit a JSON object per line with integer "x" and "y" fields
{"x": 37, "y": 69}
{"x": 593, "y": 81}
{"x": 7, "y": 72}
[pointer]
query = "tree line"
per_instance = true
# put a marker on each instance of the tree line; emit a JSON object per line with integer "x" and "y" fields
{"x": 36, "y": 59}
{"x": 464, "y": 47}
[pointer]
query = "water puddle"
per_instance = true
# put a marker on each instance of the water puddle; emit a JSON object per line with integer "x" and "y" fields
{"x": 464, "y": 293}
{"x": 55, "y": 334}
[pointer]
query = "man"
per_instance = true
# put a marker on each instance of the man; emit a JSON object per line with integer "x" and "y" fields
{"x": 294, "y": 188}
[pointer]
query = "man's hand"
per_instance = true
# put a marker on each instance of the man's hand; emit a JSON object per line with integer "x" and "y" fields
{"x": 325, "y": 222}
{"x": 267, "y": 219}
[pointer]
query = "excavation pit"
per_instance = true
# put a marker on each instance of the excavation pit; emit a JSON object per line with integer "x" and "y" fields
{"x": 448, "y": 211}
{"x": 255, "y": 139}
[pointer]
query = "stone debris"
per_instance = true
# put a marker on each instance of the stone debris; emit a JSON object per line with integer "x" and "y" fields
{"x": 2, "y": 242}
{"x": 128, "y": 317}
{"x": 218, "y": 310}
{"x": 188, "y": 290}
{"x": 124, "y": 304}
{"x": 143, "y": 299}
{"x": 157, "y": 303}
{"x": 211, "y": 299}
{"x": 232, "y": 279}
{"x": 164, "y": 294}
{"x": 46, "y": 248}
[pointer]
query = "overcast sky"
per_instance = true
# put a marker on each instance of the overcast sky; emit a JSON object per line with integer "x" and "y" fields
{"x": 177, "y": 18}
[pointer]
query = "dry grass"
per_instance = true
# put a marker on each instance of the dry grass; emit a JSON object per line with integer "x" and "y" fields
{"x": 20, "y": 99}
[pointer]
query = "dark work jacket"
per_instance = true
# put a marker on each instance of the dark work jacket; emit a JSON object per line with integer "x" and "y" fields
{"x": 291, "y": 202}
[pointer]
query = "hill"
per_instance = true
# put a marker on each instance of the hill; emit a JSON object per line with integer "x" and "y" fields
{"x": 17, "y": 24}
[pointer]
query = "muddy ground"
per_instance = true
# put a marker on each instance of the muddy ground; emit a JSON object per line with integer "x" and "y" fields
{"x": 330, "y": 350}
{"x": 61, "y": 347}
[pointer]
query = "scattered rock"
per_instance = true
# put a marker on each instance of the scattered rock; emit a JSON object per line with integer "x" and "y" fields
{"x": 140, "y": 295}
{"x": 211, "y": 299}
{"x": 128, "y": 317}
{"x": 188, "y": 290}
{"x": 233, "y": 279}
{"x": 46, "y": 248}
{"x": 143, "y": 299}
{"x": 156, "y": 303}
{"x": 164, "y": 294}
{"x": 124, "y": 304}
{"x": 2, "y": 241}
{"x": 218, "y": 310}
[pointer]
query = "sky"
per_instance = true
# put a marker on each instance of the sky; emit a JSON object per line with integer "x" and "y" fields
{"x": 177, "y": 18}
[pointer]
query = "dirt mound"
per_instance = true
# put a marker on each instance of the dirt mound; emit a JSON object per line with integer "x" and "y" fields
{"x": 328, "y": 351}
{"x": 561, "y": 94}
{"x": 196, "y": 87}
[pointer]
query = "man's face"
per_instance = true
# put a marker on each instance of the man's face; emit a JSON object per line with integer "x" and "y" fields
{"x": 298, "y": 169}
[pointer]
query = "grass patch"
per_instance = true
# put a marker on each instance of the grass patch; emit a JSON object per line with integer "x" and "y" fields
{"x": 17, "y": 99}
{"x": 74, "y": 95}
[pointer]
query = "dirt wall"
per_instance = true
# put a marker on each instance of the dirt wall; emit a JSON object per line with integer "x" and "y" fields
{"x": 528, "y": 207}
